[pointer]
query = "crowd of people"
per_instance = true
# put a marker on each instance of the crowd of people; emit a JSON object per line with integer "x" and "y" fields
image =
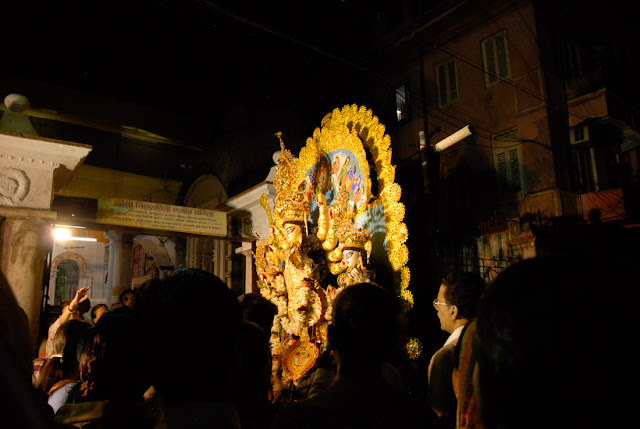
{"x": 533, "y": 349}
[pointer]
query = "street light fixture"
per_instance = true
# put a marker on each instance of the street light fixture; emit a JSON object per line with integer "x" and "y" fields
{"x": 63, "y": 233}
{"x": 453, "y": 138}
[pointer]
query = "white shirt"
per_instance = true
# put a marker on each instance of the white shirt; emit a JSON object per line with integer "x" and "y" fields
{"x": 59, "y": 396}
{"x": 453, "y": 338}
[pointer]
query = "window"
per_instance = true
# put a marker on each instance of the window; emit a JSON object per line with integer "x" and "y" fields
{"x": 496, "y": 59}
{"x": 402, "y": 102}
{"x": 585, "y": 170}
{"x": 447, "y": 82}
{"x": 507, "y": 154}
{"x": 579, "y": 134}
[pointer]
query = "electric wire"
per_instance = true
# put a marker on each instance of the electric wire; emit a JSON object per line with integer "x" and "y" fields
{"x": 416, "y": 100}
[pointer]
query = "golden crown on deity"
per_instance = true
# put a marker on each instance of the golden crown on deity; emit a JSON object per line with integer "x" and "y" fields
{"x": 293, "y": 208}
{"x": 355, "y": 237}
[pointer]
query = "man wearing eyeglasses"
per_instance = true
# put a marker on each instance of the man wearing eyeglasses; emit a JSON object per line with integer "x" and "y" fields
{"x": 456, "y": 306}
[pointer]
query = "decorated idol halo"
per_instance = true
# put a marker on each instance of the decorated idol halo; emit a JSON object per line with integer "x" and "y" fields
{"x": 325, "y": 205}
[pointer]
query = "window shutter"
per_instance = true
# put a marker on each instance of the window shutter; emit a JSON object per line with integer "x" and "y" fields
{"x": 496, "y": 58}
{"x": 446, "y": 82}
{"x": 501, "y": 56}
{"x": 503, "y": 174}
{"x": 442, "y": 85}
{"x": 508, "y": 161}
{"x": 453, "y": 82}
{"x": 514, "y": 167}
{"x": 491, "y": 62}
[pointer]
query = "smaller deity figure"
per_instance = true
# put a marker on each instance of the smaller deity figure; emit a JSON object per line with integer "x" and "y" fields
{"x": 336, "y": 166}
{"x": 322, "y": 179}
{"x": 356, "y": 249}
{"x": 267, "y": 266}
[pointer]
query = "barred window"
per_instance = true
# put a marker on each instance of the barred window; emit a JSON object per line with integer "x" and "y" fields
{"x": 402, "y": 102}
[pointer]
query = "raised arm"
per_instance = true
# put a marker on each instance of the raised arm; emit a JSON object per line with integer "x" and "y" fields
{"x": 67, "y": 311}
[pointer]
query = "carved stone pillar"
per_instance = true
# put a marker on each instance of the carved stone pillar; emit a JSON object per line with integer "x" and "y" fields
{"x": 180, "y": 249}
{"x": 23, "y": 248}
{"x": 31, "y": 169}
{"x": 120, "y": 260}
{"x": 200, "y": 253}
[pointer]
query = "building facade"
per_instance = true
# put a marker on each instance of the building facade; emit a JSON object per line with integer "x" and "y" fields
{"x": 554, "y": 146}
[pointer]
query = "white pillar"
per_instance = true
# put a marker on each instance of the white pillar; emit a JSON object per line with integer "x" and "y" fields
{"x": 120, "y": 260}
{"x": 249, "y": 268}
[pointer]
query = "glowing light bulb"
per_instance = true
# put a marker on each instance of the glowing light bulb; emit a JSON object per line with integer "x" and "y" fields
{"x": 61, "y": 234}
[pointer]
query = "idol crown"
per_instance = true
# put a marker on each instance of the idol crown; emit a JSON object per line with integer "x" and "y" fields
{"x": 294, "y": 208}
{"x": 355, "y": 237}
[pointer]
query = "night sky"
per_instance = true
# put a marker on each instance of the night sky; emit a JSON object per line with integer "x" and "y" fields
{"x": 208, "y": 50}
{"x": 210, "y": 59}
{"x": 148, "y": 50}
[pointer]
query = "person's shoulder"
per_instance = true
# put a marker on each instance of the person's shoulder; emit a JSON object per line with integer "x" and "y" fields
{"x": 444, "y": 354}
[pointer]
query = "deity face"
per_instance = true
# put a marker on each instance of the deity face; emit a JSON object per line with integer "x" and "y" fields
{"x": 293, "y": 233}
{"x": 351, "y": 259}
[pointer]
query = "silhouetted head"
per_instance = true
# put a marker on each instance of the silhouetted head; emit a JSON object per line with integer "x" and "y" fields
{"x": 463, "y": 289}
{"x": 541, "y": 347}
{"x": 128, "y": 297}
{"x": 457, "y": 300}
{"x": 113, "y": 362}
{"x": 63, "y": 364}
{"x": 192, "y": 329}
{"x": 97, "y": 311}
{"x": 259, "y": 310}
{"x": 84, "y": 306}
{"x": 364, "y": 329}
{"x": 67, "y": 338}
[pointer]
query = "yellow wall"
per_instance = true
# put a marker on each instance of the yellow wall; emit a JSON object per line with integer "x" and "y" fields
{"x": 95, "y": 182}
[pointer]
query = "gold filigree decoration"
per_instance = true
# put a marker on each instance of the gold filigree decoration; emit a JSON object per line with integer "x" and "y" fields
{"x": 356, "y": 128}
{"x": 286, "y": 273}
{"x": 414, "y": 348}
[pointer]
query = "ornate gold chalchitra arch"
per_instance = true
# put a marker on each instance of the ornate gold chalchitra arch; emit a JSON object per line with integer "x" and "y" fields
{"x": 326, "y": 229}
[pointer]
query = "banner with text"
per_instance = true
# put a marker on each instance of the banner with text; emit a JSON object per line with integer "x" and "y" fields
{"x": 142, "y": 214}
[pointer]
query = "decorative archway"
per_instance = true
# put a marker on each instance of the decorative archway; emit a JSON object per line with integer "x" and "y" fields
{"x": 65, "y": 275}
{"x": 69, "y": 255}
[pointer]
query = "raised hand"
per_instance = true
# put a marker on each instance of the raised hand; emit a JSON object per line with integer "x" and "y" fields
{"x": 81, "y": 295}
